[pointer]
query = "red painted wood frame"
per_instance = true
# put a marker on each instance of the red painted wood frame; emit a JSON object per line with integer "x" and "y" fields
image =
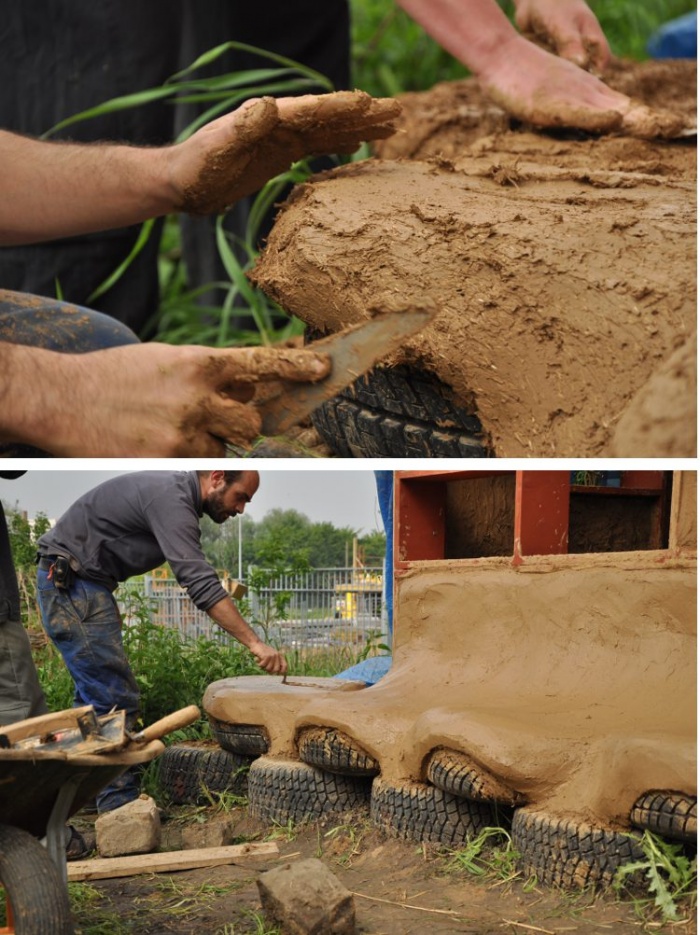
{"x": 541, "y": 510}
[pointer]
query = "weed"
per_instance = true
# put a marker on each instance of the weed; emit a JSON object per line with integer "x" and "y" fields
{"x": 186, "y": 899}
{"x": 482, "y": 858}
{"x": 671, "y": 875}
{"x": 286, "y": 832}
{"x": 224, "y": 801}
{"x": 91, "y": 915}
{"x": 353, "y": 834}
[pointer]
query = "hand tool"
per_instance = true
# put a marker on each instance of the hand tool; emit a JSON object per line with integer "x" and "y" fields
{"x": 352, "y": 352}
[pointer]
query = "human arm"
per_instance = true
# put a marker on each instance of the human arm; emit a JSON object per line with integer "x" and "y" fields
{"x": 528, "y": 82}
{"x": 226, "y": 614}
{"x": 140, "y": 400}
{"x": 60, "y": 189}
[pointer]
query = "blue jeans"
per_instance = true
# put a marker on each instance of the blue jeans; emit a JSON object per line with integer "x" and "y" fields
{"x": 85, "y": 625}
{"x": 55, "y": 326}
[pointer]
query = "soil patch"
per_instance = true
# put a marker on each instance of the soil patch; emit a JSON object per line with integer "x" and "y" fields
{"x": 563, "y": 266}
{"x": 400, "y": 889}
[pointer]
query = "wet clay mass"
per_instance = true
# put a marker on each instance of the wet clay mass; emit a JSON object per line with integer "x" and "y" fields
{"x": 562, "y": 266}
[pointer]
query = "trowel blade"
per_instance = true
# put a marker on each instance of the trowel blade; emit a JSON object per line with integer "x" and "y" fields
{"x": 352, "y": 353}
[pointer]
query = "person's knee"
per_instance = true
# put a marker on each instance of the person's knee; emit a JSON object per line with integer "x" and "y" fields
{"x": 53, "y": 325}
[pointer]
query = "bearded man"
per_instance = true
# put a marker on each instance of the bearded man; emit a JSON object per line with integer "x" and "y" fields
{"x": 127, "y": 526}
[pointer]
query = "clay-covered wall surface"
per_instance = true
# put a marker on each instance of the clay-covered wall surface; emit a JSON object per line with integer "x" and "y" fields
{"x": 562, "y": 267}
{"x": 573, "y": 677}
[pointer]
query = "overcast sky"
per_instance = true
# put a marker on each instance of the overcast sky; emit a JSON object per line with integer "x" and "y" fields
{"x": 344, "y": 498}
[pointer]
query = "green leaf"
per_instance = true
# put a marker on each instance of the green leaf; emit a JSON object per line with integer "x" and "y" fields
{"x": 112, "y": 106}
{"x": 141, "y": 242}
{"x": 208, "y": 57}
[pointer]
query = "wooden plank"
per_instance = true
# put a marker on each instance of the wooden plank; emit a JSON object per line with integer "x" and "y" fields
{"x": 541, "y": 513}
{"x": 104, "y": 868}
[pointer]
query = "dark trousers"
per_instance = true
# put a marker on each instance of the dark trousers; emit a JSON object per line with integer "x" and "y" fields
{"x": 55, "y": 326}
{"x": 85, "y": 625}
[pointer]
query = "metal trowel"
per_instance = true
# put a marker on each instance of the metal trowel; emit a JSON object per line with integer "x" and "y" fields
{"x": 352, "y": 353}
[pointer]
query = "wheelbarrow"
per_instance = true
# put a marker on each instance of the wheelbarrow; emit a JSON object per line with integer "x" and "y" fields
{"x": 50, "y": 767}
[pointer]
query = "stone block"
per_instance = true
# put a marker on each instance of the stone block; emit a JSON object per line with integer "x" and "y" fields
{"x": 132, "y": 829}
{"x": 304, "y": 898}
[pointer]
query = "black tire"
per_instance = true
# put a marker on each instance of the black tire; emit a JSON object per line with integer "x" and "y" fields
{"x": 187, "y": 770}
{"x": 247, "y": 739}
{"x": 286, "y": 790}
{"x": 670, "y": 814}
{"x": 571, "y": 854}
{"x": 332, "y": 750}
{"x": 418, "y": 812}
{"x": 399, "y": 412}
{"x": 455, "y": 772}
{"x": 37, "y": 894}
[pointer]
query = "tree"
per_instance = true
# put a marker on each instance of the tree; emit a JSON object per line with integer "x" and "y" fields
{"x": 323, "y": 544}
{"x": 24, "y": 535}
{"x": 374, "y": 548}
{"x": 220, "y": 542}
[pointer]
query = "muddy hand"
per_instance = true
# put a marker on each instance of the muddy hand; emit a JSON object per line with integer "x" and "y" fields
{"x": 150, "y": 400}
{"x": 231, "y": 378}
{"x": 569, "y": 27}
{"x": 235, "y": 155}
{"x": 550, "y": 92}
{"x": 270, "y": 659}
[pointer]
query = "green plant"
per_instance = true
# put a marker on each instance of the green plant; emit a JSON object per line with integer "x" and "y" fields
{"x": 269, "y": 607}
{"x": 671, "y": 876}
{"x": 93, "y": 912}
{"x": 55, "y": 678}
{"x": 286, "y": 832}
{"x": 24, "y": 537}
{"x": 351, "y": 835}
{"x": 173, "y": 672}
{"x": 481, "y": 857}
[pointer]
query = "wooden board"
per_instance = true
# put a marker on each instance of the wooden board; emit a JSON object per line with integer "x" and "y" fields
{"x": 103, "y": 868}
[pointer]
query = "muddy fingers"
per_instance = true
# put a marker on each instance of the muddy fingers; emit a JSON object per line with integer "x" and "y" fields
{"x": 235, "y": 155}
{"x": 229, "y": 369}
{"x": 345, "y": 111}
{"x": 646, "y": 124}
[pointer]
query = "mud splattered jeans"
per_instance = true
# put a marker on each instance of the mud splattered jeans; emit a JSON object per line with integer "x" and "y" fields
{"x": 85, "y": 625}
{"x": 54, "y": 326}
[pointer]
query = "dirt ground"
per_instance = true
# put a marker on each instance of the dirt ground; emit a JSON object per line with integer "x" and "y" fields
{"x": 400, "y": 888}
{"x": 562, "y": 266}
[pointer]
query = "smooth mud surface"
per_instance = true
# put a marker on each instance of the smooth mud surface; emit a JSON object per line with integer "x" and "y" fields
{"x": 572, "y": 679}
{"x": 562, "y": 266}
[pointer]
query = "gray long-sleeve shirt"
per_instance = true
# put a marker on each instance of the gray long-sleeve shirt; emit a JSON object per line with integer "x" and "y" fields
{"x": 132, "y": 524}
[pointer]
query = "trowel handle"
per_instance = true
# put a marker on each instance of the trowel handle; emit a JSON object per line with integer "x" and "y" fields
{"x": 169, "y": 723}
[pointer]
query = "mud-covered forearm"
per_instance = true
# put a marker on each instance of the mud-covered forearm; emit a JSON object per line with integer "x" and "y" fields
{"x": 51, "y": 190}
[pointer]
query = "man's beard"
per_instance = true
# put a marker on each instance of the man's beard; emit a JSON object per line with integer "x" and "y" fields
{"x": 214, "y": 508}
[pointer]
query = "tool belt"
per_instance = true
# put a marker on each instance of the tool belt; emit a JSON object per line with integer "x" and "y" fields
{"x": 58, "y": 567}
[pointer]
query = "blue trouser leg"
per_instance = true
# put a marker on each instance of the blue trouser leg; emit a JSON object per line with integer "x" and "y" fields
{"x": 85, "y": 625}
{"x": 55, "y": 326}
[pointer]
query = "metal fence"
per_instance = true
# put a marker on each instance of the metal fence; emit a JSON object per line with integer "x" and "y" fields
{"x": 323, "y": 607}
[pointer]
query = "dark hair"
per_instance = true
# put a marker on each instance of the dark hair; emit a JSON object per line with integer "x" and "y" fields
{"x": 229, "y": 476}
